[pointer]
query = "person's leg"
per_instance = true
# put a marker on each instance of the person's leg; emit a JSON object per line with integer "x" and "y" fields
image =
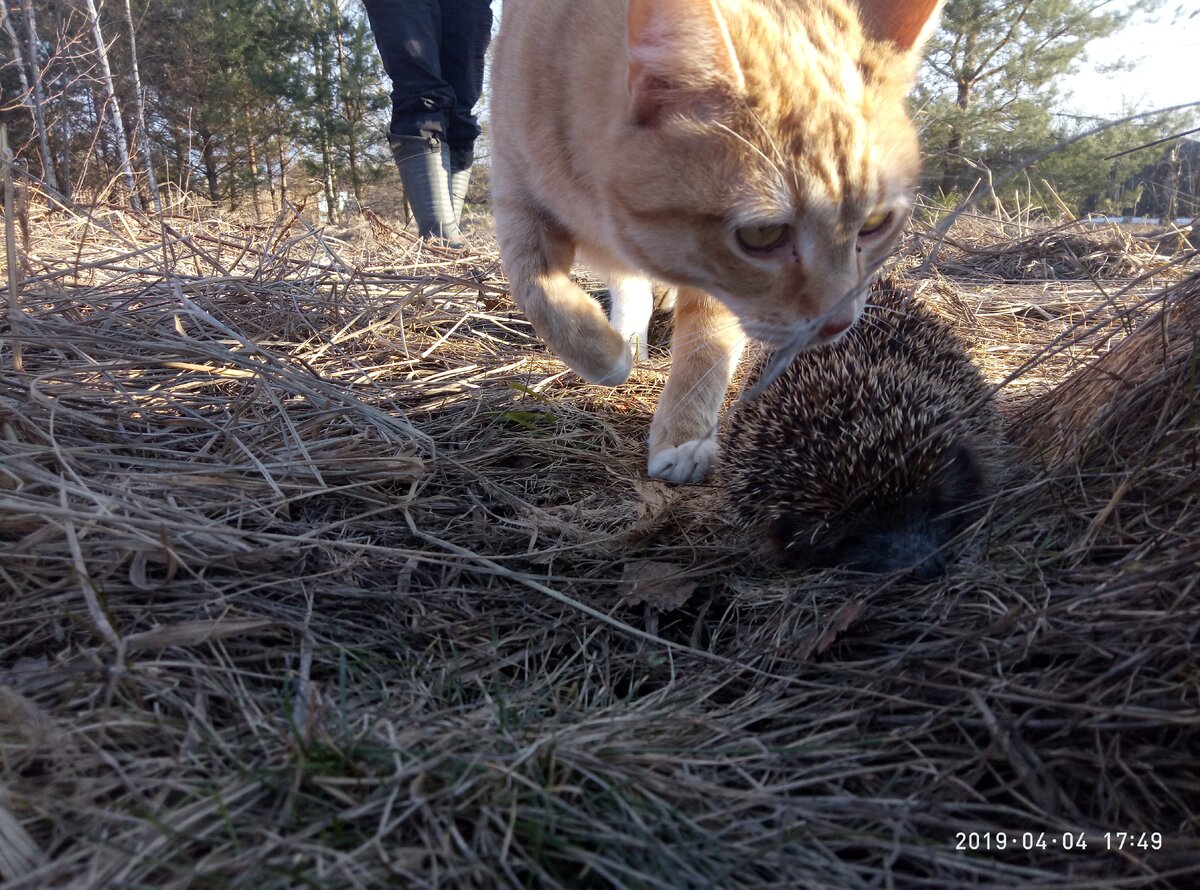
{"x": 424, "y": 166}
{"x": 409, "y": 36}
{"x": 466, "y": 32}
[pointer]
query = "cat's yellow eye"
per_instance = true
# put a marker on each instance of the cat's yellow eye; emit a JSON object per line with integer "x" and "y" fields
{"x": 759, "y": 238}
{"x": 874, "y": 223}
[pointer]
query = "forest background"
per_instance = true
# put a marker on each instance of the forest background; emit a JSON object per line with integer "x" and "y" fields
{"x": 252, "y": 103}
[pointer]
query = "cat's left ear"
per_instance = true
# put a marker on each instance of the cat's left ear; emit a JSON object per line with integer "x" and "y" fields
{"x": 905, "y": 23}
{"x": 680, "y": 56}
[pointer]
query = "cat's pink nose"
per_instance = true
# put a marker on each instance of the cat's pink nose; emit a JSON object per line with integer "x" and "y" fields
{"x": 835, "y": 326}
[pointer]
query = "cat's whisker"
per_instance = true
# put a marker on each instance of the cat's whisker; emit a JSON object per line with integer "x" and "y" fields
{"x": 775, "y": 162}
{"x": 896, "y": 314}
{"x": 712, "y": 370}
{"x": 876, "y": 324}
{"x": 803, "y": 339}
{"x": 731, "y": 324}
{"x": 779, "y": 162}
{"x": 779, "y": 360}
{"x": 887, "y": 309}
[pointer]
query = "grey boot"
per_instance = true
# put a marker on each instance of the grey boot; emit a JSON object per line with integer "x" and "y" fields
{"x": 460, "y": 178}
{"x": 424, "y": 166}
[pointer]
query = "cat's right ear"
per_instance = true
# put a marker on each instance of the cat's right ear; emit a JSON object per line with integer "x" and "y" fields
{"x": 906, "y": 24}
{"x": 680, "y": 56}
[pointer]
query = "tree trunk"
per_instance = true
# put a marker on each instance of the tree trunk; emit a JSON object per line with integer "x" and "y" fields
{"x": 139, "y": 105}
{"x": 252, "y": 160}
{"x": 231, "y": 169}
{"x": 329, "y": 176}
{"x": 210, "y": 166}
{"x": 61, "y": 158}
{"x": 181, "y": 156}
{"x": 113, "y": 107}
{"x": 282, "y": 171}
{"x": 950, "y": 163}
{"x": 1171, "y": 183}
{"x": 185, "y": 169}
{"x": 32, "y": 93}
{"x": 355, "y": 177}
{"x": 39, "y": 98}
{"x": 18, "y": 55}
{"x": 967, "y": 72}
{"x": 325, "y": 110}
{"x": 102, "y": 148}
{"x": 344, "y": 80}
{"x": 270, "y": 177}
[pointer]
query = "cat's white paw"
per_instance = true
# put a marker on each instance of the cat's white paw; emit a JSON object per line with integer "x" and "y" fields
{"x": 687, "y": 462}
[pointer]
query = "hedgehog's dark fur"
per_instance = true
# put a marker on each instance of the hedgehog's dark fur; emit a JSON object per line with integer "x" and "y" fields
{"x": 864, "y": 453}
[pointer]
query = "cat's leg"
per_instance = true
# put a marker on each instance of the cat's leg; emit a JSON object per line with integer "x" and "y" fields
{"x": 632, "y": 304}
{"x": 664, "y": 300}
{"x": 537, "y": 255}
{"x": 705, "y": 349}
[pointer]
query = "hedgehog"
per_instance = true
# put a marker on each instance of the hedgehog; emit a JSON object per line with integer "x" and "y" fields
{"x": 867, "y": 453}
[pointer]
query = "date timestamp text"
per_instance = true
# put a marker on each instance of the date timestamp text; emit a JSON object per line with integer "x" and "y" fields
{"x": 982, "y": 841}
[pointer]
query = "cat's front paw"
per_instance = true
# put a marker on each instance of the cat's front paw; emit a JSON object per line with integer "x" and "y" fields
{"x": 621, "y": 368}
{"x": 594, "y": 350}
{"x": 686, "y": 462}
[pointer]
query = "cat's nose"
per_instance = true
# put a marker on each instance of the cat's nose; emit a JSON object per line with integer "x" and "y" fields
{"x": 835, "y": 326}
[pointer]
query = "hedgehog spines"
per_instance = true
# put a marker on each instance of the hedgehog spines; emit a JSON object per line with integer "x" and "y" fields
{"x": 892, "y": 422}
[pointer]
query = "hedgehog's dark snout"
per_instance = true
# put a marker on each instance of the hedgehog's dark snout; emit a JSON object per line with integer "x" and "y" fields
{"x": 913, "y": 544}
{"x": 908, "y": 539}
{"x": 891, "y": 540}
{"x": 914, "y": 534}
{"x": 910, "y": 534}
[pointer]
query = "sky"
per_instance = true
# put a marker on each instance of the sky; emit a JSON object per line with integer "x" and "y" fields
{"x": 1165, "y": 45}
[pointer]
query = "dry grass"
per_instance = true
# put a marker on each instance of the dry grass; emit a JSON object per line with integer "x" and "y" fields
{"x": 313, "y": 565}
{"x": 1013, "y": 250}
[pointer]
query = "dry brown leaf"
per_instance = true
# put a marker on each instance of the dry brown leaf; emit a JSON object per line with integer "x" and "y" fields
{"x": 846, "y": 615}
{"x": 661, "y": 585}
{"x": 21, "y": 719}
{"x": 655, "y": 497}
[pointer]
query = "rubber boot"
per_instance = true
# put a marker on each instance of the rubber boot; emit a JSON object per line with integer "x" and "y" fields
{"x": 424, "y": 166}
{"x": 460, "y": 179}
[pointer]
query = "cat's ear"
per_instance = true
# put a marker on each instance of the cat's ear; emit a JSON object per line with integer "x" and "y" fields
{"x": 906, "y": 23}
{"x": 680, "y": 57}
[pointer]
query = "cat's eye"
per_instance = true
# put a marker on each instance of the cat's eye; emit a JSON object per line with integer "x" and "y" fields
{"x": 761, "y": 238}
{"x": 875, "y": 223}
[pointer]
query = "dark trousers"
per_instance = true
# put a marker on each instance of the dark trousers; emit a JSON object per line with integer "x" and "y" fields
{"x": 433, "y": 51}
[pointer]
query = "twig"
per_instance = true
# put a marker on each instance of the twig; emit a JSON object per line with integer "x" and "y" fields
{"x": 10, "y": 247}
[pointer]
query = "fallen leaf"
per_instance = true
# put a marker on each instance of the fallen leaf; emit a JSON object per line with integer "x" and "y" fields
{"x": 655, "y": 498}
{"x": 661, "y": 585}
{"x": 838, "y": 624}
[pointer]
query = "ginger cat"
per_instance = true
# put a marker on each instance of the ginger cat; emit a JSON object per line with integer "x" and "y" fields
{"x": 756, "y": 154}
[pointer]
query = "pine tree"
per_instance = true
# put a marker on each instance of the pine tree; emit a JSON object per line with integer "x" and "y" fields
{"x": 991, "y": 80}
